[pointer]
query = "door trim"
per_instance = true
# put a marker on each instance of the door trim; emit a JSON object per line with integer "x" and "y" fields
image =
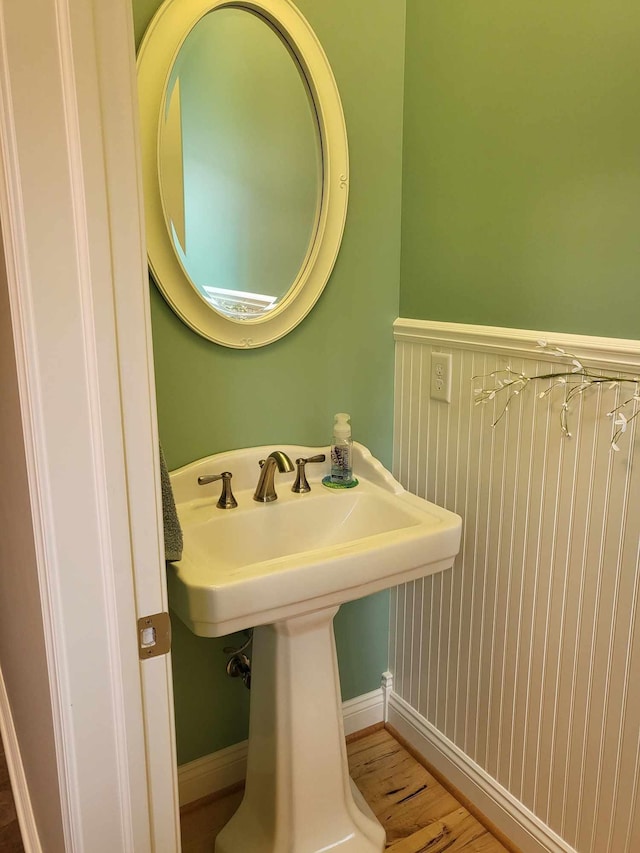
{"x": 71, "y": 211}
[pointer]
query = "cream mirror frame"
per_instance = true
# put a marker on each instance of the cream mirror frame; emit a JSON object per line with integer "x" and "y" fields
{"x": 156, "y": 57}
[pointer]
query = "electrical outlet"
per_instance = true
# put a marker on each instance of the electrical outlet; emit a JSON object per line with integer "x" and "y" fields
{"x": 441, "y": 376}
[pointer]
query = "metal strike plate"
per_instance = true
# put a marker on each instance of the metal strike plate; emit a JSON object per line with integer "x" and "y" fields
{"x": 154, "y": 635}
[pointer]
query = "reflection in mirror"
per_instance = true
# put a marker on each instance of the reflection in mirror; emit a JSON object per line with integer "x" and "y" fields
{"x": 240, "y": 163}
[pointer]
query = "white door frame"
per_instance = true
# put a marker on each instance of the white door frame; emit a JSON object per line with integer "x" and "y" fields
{"x": 72, "y": 226}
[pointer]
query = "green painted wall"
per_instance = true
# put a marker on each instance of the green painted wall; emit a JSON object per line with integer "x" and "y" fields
{"x": 339, "y": 359}
{"x": 521, "y": 196}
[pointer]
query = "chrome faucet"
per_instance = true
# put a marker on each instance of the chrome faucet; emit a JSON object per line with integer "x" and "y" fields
{"x": 265, "y": 490}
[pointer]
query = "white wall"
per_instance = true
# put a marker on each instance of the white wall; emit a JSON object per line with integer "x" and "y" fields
{"x": 523, "y": 657}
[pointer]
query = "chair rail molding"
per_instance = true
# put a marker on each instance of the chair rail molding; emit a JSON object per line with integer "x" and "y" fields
{"x": 612, "y": 353}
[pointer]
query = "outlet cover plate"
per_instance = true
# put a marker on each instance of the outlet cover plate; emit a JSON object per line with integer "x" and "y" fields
{"x": 441, "y": 376}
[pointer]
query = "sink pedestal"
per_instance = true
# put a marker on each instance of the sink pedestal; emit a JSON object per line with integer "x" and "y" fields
{"x": 299, "y": 797}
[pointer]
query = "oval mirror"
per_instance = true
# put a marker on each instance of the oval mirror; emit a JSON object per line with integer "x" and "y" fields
{"x": 245, "y": 166}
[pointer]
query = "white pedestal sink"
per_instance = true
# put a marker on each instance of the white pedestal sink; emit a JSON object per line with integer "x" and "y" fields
{"x": 284, "y": 568}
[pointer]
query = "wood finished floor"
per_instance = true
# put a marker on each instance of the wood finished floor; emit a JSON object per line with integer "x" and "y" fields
{"x": 10, "y": 838}
{"x": 419, "y": 815}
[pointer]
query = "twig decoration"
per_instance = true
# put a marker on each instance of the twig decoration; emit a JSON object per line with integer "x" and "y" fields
{"x": 505, "y": 384}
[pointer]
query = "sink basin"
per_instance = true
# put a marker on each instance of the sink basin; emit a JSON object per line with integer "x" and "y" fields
{"x": 260, "y": 563}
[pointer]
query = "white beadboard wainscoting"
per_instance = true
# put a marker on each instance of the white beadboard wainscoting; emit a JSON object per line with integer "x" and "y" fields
{"x": 518, "y": 671}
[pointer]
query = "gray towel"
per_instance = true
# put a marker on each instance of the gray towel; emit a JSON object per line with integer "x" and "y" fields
{"x": 172, "y": 529}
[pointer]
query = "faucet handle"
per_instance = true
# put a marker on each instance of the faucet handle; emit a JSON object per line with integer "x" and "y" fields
{"x": 301, "y": 485}
{"x": 227, "y": 500}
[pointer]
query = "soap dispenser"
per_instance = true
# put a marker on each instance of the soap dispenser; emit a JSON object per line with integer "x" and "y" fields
{"x": 341, "y": 450}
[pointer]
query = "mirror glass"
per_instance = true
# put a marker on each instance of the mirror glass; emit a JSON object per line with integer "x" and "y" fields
{"x": 239, "y": 163}
{"x": 245, "y": 165}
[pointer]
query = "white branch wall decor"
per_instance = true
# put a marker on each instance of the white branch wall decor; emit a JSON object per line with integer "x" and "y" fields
{"x": 525, "y": 657}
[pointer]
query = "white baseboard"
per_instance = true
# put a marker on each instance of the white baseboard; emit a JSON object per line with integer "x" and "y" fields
{"x": 363, "y": 711}
{"x": 506, "y": 812}
{"x": 212, "y": 773}
{"x": 21, "y": 798}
